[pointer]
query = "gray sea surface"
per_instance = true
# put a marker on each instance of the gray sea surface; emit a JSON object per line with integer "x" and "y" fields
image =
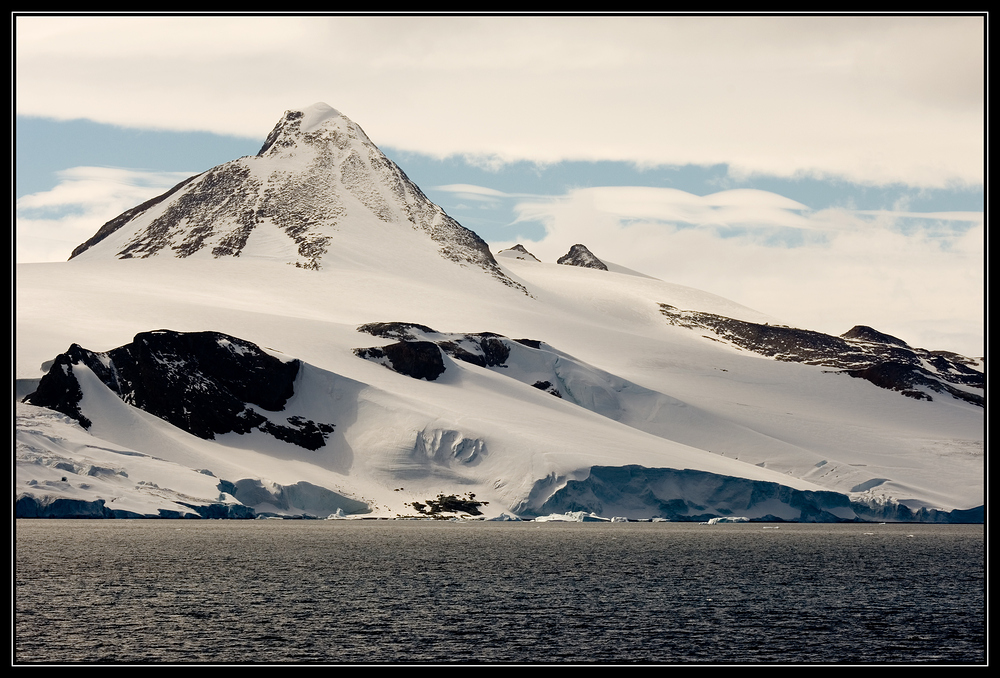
{"x": 371, "y": 592}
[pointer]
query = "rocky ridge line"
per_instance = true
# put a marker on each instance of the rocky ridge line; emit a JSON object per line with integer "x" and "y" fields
{"x": 860, "y": 352}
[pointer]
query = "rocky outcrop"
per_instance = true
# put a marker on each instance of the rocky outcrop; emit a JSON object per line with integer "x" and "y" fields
{"x": 860, "y": 352}
{"x": 396, "y": 330}
{"x": 205, "y": 383}
{"x": 865, "y": 333}
{"x": 579, "y": 255}
{"x": 419, "y": 352}
{"x": 417, "y": 359}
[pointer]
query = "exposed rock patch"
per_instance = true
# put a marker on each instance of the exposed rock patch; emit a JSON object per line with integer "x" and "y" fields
{"x": 417, "y": 359}
{"x": 396, "y": 330}
{"x": 548, "y": 388}
{"x": 449, "y": 504}
{"x": 861, "y": 352}
{"x": 205, "y": 383}
{"x": 865, "y": 333}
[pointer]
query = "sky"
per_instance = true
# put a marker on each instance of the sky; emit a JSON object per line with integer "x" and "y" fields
{"x": 827, "y": 170}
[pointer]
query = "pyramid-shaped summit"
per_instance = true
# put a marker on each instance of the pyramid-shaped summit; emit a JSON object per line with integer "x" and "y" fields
{"x": 317, "y": 185}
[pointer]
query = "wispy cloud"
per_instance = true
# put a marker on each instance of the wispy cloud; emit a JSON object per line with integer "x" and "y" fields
{"x": 49, "y": 225}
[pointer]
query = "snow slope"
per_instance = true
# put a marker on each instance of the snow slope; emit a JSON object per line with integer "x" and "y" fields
{"x": 652, "y": 418}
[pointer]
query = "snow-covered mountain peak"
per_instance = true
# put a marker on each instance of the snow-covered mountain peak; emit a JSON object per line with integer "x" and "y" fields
{"x": 317, "y": 193}
{"x": 316, "y": 126}
{"x": 316, "y": 114}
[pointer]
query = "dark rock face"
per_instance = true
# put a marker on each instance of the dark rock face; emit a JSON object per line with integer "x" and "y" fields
{"x": 865, "y": 333}
{"x": 59, "y": 390}
{"x": 450, "y": 504}
{"x": 284, "y": 130}
{"x": 579, "y": 255}
{"x": 417, "y": 359}
{"x": 418, "y": 353}
{"x": 781, "y": 343}
{"x": 861, "y": 352}
{"x": 414, "y": 357}
{"x": 905, "y": 378}
{"x": 548, "y": 388}
{"x": 201, "y": 382}
{"x": 487, "y": 349}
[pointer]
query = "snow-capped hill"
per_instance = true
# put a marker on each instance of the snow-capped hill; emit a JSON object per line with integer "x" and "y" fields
{"x": 317, "y": 185}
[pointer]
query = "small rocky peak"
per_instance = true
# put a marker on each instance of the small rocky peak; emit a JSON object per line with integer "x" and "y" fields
{"x": 519, "y": 252}
{"x": 579, "y": 255}
{"x": 865, "y": 333}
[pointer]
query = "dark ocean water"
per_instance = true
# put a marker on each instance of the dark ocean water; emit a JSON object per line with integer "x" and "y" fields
{"x": 171, "y": 591}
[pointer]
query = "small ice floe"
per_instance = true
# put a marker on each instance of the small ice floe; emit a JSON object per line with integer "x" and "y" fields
{"x": 772, "y": 527}
{"x": 571, "y": 517}
{"x": 728, "y": 519}
{"x": 505, "y": 517}
{"x": 339, "y": 515}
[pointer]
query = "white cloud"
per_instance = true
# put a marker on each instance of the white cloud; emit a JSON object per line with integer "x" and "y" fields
{"x": 480, "y": 192}
{"x": 919, "y": 279}
{"x": 872, "y": 98}
{"x": 49, "y": 225}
